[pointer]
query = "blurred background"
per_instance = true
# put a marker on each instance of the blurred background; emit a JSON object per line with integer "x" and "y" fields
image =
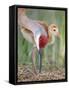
{"x": 53, "y": 56}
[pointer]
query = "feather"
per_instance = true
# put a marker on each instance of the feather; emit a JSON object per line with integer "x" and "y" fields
{"x": 28, "y": 35}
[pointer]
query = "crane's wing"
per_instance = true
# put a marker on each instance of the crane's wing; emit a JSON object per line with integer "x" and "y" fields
{"x": 34, "y": 26}
{"x": 28, "y": 35}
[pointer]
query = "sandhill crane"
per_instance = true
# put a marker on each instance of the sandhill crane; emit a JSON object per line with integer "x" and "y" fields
{"x": 36, "y": 32}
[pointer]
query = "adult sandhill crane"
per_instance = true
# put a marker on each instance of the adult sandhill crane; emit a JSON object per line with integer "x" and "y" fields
{"x": 37, "y": 33}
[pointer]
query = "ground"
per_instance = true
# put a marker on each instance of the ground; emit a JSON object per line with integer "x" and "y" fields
{"x": 25, "y": 73}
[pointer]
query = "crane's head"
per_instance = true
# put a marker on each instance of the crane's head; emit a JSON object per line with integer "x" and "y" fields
{"x": 41, "y": 41}
{"x": 41, "y": 38}
{"x": 53, "y": 29}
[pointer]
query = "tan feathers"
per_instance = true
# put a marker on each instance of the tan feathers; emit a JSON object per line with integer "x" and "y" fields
{"x": 28, "y": 35}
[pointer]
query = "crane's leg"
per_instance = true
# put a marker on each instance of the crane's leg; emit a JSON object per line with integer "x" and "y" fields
{"x": 33, "y": 61}
{"x": 40, "y": 59}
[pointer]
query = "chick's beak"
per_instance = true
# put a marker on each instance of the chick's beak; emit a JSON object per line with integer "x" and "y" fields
{"x": 58, "y": 34}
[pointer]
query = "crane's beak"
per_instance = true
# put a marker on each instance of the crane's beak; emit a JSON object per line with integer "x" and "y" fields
{"x": 40, "y": 59}
{"x": 39, "y": 52}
